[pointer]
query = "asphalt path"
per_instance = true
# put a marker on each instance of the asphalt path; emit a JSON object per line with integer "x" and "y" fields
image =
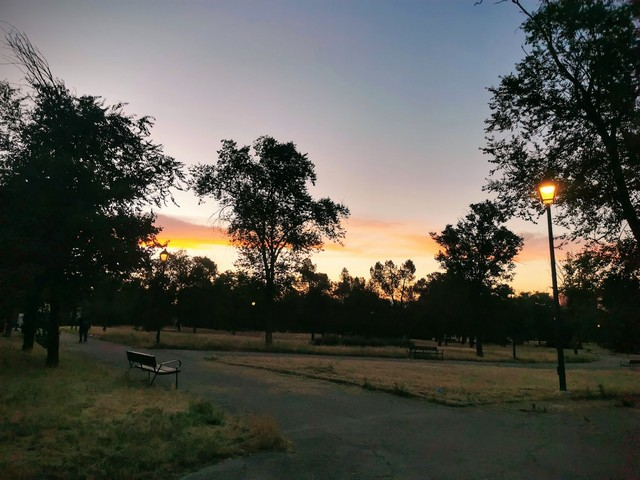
{"x": 345, "y": 432}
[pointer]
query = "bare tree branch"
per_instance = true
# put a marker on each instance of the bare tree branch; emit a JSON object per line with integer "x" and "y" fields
{"x": 29, "y": 60}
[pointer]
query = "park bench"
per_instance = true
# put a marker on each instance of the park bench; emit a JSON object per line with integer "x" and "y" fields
{"x": 148, "y": 363}
{"x": 416, "y": 351}
{"x": 633, "y": 363}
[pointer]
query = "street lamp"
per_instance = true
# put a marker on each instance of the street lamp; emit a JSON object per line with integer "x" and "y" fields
{"x": 164, "y": 256}
{"x": 547, "y": 192}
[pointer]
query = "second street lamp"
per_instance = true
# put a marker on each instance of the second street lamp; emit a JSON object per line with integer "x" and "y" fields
{"x": 164, "y": 256}
{"x": 547, "y": 192}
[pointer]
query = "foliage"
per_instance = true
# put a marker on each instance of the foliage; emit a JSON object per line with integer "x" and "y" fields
{"x": 478, "y": 249}
{"x": 77, "y": 178}
{"x": 390, "y": 279}
{"x": 602, "y": 290}
{"x": 272, "y": 218}
{"x": 570, "y": 111}
{"x": 477, "y": 255}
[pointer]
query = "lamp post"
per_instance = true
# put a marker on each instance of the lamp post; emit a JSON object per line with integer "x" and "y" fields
{"x": 547, "y": 192}
{"x": 164, "y": 256}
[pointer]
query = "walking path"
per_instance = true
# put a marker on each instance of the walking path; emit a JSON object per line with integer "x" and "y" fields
{"x": 343, "y": 432}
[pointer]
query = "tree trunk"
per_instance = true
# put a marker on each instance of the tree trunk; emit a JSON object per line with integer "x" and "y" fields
{"x": 513, "y": 346}
{"x": 158, "y": 335}
{"x": 7, "y": 327}
{"x": 479, "y": 351}
{"x": 268, "y": 312}
{"x": 29, "y": 324}
{"x": 53, "y": 335}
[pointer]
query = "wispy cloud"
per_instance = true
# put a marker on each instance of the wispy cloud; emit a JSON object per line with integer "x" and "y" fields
{"x": 367, "y": 241}
{"x": 186, "y": 235}
{"x": 387, "y": 239}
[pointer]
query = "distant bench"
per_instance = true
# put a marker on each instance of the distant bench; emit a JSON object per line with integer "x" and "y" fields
{"x": 416, "y": 351}
{"x": 148, "y": 363}
{"x": 633, "y": 363}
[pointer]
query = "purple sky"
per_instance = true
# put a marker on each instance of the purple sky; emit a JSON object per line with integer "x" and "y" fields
{"x": 388, "y": 98}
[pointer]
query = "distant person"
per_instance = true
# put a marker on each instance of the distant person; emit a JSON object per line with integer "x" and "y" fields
{"x": 83, "y": 329}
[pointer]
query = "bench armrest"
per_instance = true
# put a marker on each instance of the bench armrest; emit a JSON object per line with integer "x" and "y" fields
{"x": 179, "y": 363}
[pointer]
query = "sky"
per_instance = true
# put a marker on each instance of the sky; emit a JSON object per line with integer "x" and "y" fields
{"x": 387, "y": 98}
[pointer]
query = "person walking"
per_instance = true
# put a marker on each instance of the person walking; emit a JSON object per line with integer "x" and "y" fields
{"x": 83, "y": 329}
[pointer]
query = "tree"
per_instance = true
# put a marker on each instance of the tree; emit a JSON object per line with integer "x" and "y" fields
{"x": 392, "y": 280}
{"x": 571, "y": 111}
{"x": 196, "y": 295}
{"x": 407, "y": 273}
{"x": 77, "y": 178}
{"x": 480, "y": 252}
{"x": 271, "y": 217}
{"x": 602, "y": 287}
{"x": 385, "y": 278}
{"x": 314, "y": 286}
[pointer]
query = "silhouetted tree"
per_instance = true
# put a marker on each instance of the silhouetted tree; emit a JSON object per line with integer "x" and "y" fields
{"x": 385, "y": 278}
{"x": 196, "y": 299}
{"x": 602, "y": 287}
{"x": 76, "y": 180}
{"x": 407, "y": 273}
{"x": 479, "y": 251}
{"x": 314, "y": 287}
{"x": 570, "y": 110}
{"x": 272, "y": 219}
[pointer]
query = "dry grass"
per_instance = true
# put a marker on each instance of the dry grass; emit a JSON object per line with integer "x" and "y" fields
{"x": 454, "y": 384}
{"x": 81, "y": 420}
{"x": 299, "y": 343}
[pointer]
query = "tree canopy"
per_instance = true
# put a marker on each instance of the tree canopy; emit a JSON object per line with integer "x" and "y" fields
{"x": 271, "y": 217}
{"x": 77, "y": 180}
{"x": 477, "y": 253}
{"x": 571, "y": 111}
{"x": 478, "y": 248}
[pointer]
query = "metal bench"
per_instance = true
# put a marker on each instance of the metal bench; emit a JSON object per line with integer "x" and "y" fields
{"x": 632, "y": 363}
{"x": 427, "y": 351}
{"x": 148, "y": 363}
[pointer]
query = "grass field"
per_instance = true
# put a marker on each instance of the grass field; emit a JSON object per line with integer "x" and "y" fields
{"x": 495, "y": 379}
{"x": 299, "y": 343}
{"x": 81, "y": 420}
{"x": 457, "y": 384}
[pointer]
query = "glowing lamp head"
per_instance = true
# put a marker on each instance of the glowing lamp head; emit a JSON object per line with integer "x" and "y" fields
{"x": 164, "y": 255}
{"x": 547, "y": 192}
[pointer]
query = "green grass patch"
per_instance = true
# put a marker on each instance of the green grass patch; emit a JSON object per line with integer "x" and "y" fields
{"x": 82, "y": 420}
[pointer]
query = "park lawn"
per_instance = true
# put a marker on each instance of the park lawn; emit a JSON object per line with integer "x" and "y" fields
{"x": 455, "y": 384}
{"x": 299, "y": 343}
{"x": 82, "y": 420}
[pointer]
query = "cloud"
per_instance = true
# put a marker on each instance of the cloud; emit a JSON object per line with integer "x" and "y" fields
{"x": 386, "y": 239}
{"x": 367, "y": 241}
{"x": 536, "y": 248}
{"x": 183, "y": 234}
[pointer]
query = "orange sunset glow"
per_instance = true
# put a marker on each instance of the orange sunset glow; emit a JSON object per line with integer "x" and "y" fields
{"x": 366, "y": 242}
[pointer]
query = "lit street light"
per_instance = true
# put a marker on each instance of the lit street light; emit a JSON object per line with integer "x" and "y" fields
{"x": 547, "y": 192}
{"x": 164, "y": 256}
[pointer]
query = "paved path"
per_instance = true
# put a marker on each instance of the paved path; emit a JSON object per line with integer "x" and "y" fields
{"x": 342, "y": 432}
